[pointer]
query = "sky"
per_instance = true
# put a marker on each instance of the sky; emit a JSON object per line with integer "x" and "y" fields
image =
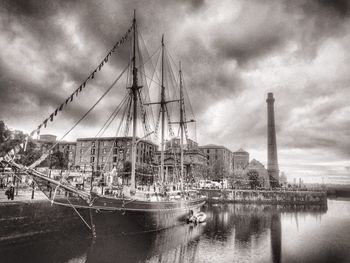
{"x": 233, "y": 52}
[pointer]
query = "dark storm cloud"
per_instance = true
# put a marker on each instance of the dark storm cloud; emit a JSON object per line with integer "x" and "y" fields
{"x": 41, "y": 25}
{"x": 232, "y": 54}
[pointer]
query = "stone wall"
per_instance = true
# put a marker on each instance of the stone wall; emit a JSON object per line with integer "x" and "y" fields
{"x": 266, "y": 197}
{"x": 24, "y": 219}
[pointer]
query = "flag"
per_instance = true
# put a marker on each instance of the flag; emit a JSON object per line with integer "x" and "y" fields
{"x": 32, "y": 133}
{"x": 76, "y": 92}
{"x": 38, "y": 132}
{"x": 71, "y": 97}
{"x": 56, "y": 112}
{"x": 106, "y": 58}
{"x": 67, "y": 101}
{"x": 80, "y": 88}
{"x": 39, "y": 127}
{"x": 92, "y": 75}
{"x": 45, "y": 123}
{"x": 84, "y": 84}
{"x": 61, "y": 107}
{"x": 51, "y": 116}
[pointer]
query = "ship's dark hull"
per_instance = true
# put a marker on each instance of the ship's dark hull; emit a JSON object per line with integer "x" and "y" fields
{"x": 108, "y": 214}
{"x": 124, "y": 216}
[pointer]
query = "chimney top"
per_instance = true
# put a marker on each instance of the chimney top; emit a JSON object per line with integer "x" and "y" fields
{"x": 270, "y": 95}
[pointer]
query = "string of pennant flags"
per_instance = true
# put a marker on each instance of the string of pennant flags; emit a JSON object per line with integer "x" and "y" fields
{"x": 82, "y": 85}
{"x": 12, "y": 153}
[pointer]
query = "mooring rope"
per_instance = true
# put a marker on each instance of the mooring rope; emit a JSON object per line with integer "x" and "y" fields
{"x": 79, "y": 214}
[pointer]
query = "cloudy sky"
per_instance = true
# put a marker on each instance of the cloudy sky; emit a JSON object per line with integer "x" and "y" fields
{"x": 233, "y": 52}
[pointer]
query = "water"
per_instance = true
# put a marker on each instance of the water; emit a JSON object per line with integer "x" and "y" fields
{"x": 232, "y": 233}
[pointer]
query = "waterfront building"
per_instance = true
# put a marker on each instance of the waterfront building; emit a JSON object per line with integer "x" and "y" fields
{"x": 240, "y": 159}
{"x": 106, "y": 153}
{"x": 68, "y": 149}
{"x": 45, "y": 142}
{"x": 194, "y": 160}
{"x": 219, "y": 161}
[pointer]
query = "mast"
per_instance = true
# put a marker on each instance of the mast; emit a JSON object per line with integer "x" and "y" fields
{"x": 181, "y": 131}
{"x": 162, "y": 109}
{"x": 134, "y": 90}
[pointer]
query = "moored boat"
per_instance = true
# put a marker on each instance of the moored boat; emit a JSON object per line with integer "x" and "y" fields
{"x": 133, "y": 211}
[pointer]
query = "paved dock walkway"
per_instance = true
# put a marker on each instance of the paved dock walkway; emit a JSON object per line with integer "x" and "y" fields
{"x": 23, "y": 196}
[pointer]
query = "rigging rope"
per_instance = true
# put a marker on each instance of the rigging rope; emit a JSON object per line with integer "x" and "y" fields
{"x": 83, "y": 85}
{"x": 45, "y": 155}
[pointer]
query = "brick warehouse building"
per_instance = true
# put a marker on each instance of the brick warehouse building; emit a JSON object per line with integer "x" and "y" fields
{"x": 109, "y": 152}
{"x": 219, "y": 161}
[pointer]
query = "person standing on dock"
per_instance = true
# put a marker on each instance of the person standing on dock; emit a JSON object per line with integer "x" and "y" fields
{"x": 10, "y": 192}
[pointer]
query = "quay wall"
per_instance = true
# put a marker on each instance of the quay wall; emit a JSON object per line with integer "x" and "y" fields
{"x": 22, "y": 219}
{"x": 265, "y": 197}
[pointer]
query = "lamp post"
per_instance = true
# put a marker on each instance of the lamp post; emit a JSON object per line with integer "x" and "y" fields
{"x": 133, "y": 167}
{"x": 50, "y": 167}
{"x": 92, "y": 176}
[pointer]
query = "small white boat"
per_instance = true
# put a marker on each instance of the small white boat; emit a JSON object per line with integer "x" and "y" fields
{"x": 198, "y": 218}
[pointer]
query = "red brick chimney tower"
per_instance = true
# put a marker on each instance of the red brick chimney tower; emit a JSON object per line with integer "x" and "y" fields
{"x": 272, "y": 161}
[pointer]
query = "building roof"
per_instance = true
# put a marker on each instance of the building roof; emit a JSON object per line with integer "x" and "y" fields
{"x": 241, "y": 151}
{"x": 214, "y": 146}
{"x": 255, "y": 162}
{"x": 211, "y": 146}
{"x": 66, "y": 142}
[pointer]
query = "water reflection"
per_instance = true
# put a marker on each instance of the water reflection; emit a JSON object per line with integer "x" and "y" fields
{"x": 175, "y": 244}
{"x": 232, "y": 233}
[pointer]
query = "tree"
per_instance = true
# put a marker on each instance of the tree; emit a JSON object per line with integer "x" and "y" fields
{"x": 58, "y": 160}
{"x": 253, "y": 176}
{"x": 9, "y": 139}
{"x": 218, "y": 170}
{"x": 4, "y": 132}
{"x": 273, "y": 182}
{"x": 31, "y": 154}
{"x": 239, "y": 180}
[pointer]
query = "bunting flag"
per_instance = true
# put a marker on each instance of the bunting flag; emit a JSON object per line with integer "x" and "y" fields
{"x": 83, "y": 85}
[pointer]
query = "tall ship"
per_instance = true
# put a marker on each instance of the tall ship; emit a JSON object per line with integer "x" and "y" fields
{"x": 139, "y": 201}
